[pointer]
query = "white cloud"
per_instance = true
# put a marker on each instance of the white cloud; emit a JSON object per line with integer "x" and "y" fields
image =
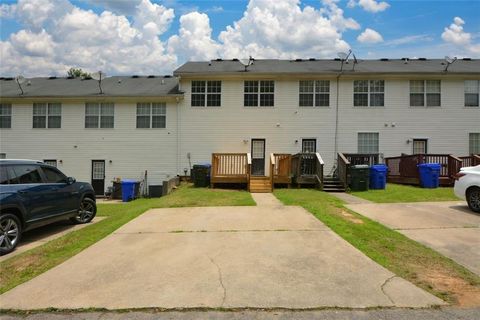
{"x": 153, "y": 19}
{"x": 369, "y": 5}
{"x": 126, "y": 7}
{"x": 454, "y": 34}
{"x": 33, "y": 44}
{"x": 370, "y": 36}
{"x": 409, "y": 40}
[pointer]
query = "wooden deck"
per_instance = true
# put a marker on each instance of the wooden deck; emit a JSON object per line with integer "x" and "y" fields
{"x": 471, "y": 160}
{"x": 230, "y": 168}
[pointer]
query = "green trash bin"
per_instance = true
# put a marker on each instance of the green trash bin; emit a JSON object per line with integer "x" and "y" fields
{"x": 201, "y": 175}
{"x": 359, "y": 177}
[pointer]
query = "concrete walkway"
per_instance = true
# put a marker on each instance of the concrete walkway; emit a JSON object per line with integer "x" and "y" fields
{"x": 348, "y": 198}
{"x": 269, "y": 256}
{"x": 447, "y": 227}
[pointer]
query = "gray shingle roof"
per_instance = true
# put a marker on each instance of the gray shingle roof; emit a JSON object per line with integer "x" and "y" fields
{"x": 309, "y": 66}
{"x": 158, "y": 86}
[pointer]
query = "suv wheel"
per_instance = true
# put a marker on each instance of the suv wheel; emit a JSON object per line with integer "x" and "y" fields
{"x": 473, "y": 199}
{"x": 10, "y": 232}
{"x": 86, "y": 212}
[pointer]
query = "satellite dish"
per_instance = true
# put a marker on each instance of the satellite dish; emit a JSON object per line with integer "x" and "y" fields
{"x": 20, "y": 79}
{"x": 342, "y": 55}
{"x": 449, "y": 62}
{"x": 99, "y": 76}
{"x": 245, "y": 62}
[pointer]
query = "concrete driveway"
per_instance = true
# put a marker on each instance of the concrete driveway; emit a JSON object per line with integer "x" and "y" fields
{"x": 447, "y": 227}
{"x": 269, "y": 256}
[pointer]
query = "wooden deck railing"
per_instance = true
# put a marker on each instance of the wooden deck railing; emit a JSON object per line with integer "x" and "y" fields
{"x": 281, "y": 171}
{"x": 343, "y": 169}
{"x": 307, "y": 168}
{"x": 403, "y": 169}
{"x": 362, "y": 158}
{"x": 470, "y": 161}
{"x": 230, "y": 168}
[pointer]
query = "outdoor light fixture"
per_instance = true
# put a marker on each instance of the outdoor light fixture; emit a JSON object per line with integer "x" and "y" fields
{"x": 245, "y": 141}
{"x": 110, "y": 161}
{"x": 185, "y": 170}
{"x": 99, "y": 76}
{"x": 20, "y": 80}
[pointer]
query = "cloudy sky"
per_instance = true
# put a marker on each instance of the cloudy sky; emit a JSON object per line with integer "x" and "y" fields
{"x": 47, "y": 37}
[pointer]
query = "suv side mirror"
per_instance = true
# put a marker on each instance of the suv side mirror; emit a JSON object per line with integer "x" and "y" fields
{"x": 71, "y": 180}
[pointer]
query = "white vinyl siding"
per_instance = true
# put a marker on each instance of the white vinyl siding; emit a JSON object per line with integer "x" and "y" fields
{"x": 99, "y": 115}
{"x": 425, "y": 93}
{"x": 206, "y": 93}
{"x": 368, "y": 142}
{"x": 314, "y": 93}
{"x": 5, "y": 116}
{"x": 259, "y": 93}
{"x": 474, "y": 143}
{"x": 472, "y": 91}
{"x": 47, "y": 115}
{"x": 368, "y": 93}
{"x": 151, "y": 115}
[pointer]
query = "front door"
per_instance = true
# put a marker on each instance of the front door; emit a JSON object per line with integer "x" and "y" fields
{"x": 419, "y": 146}
{"x": 258, "y": 157}
{"x": 98, "y": 177}
{"x": 309, "y": 145}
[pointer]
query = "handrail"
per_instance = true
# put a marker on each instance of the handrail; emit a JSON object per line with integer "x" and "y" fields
{"x": 319, "y": 158}
{"x": 249, "y": 158}
{"x": 319, "y": 172}
{"x": 343, "y": 166}
{"x": 476, "y": 159}
{"x": 272, "y": 169}
{"x": 249, "y": 169}
{"x": 344, "y": 159}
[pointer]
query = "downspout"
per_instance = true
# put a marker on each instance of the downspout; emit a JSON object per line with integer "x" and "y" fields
{"x": 178, "y": 128}
{"x": 336, "y": 121}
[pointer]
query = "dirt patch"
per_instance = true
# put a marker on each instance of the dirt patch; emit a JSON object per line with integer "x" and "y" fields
{"x": 350, "y": 217}
{"x": 464, "y": 293}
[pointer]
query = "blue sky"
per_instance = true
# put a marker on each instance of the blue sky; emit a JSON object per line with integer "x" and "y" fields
{"x": 135, "y": 36}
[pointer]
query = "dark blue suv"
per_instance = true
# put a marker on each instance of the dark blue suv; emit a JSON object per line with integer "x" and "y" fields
{"x": 33, "y": 194}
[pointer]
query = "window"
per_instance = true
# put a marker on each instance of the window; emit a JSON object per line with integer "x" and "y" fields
{"x": 52, "y": 163}
{"x": 47, "y": 115}
{"x": 309, "y": 145}
{"x": 53, "y": 175}
{"x": 425, "y": 93}
{"x": 420, "y": 146}
{"x": 27, "y": 174}
{"x": 259, "y": 93}
{"x": 3, "y": 155}
{"x": 368, "y": 93}
{"x": 5, "y": 116}
{"x": 474, "y": 143}
{"x": 472, "y": 90}
{"x": 368, "y": 142}
{"x": 151, "y": 115}
{"x": 314, "y": 93}
{"x": 206, "y": 92}
{"x": 99, "y": 115}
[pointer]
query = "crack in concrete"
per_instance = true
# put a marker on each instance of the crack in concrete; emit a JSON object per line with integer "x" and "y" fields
{"x": 224, "y": 231}
{"x": 220, "y": 279}
{"x": 382, "y": 287}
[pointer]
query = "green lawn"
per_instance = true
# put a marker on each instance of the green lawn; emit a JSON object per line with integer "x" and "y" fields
{"x": 403, "y": 256}
{"x": 404, "y": 193}
{"x": 30, "y": 264}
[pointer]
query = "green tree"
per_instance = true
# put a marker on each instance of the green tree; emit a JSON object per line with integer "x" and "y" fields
{"x": 77, "y": 73}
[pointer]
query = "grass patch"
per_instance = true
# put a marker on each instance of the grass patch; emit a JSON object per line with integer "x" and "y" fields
{"x": 406, "y": 258}
{"x": 403, "y": 193}
{"x": 34, "y": 262}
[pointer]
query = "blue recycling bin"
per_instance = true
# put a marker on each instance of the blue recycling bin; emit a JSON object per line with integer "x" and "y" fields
{"x": 429, "y": 174}
{"x": 128, "y": 190}
{"x": 378, "y": 176}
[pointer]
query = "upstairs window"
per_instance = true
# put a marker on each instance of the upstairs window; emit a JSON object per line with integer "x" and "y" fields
{"x": 47, "y": 115}
{"x": 425, "y": 93}
{"x": 259, "y": 93}
{"x": 314, "y": 93}
{"x": 368, "y": 93}
{"x": 99, "y": 115}
{"x": 5, "y": 116}
{"x": 151, "y": 115}
{"x": 206, "y": 93}
{"x": 368, "y": 142}
{"x": 472, "y": 90}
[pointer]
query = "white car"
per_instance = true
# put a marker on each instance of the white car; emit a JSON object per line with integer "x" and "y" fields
{"x": 467, "y": 186}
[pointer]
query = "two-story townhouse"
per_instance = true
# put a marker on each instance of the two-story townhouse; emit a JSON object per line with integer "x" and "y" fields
{"x": 164, "y": 125}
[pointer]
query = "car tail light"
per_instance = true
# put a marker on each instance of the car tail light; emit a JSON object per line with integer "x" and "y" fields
{"x": 459, "y": 175}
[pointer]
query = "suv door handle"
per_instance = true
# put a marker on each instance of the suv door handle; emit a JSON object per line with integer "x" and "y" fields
{"x": 22, "y": 191}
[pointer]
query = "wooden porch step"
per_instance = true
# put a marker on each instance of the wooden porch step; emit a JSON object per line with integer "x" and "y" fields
{"x": 260, "y": 184}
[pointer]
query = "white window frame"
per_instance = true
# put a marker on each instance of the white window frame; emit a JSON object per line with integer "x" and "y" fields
{"x": 208, "y": 89}
{"x": 317, "y": 89}
{"x": 368, "y": 149}
{"x": 371, "y": 85}
{"x": 425, "y": 91}
{"x": 6, "y": 113}
{"x": 473, "y": 89}
{"x": 261, "y": 87}
{"x": 162, "y": 106}
{"x": 100, "y": 115}
{"x": 48, "y": 114}
{"x": 474, "y": 143}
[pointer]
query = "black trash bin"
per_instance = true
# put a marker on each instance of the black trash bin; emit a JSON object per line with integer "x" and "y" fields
{"x": 201, "y": 175}
{"x": 359, "y": 177}
{"x": 155, "y": 191}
